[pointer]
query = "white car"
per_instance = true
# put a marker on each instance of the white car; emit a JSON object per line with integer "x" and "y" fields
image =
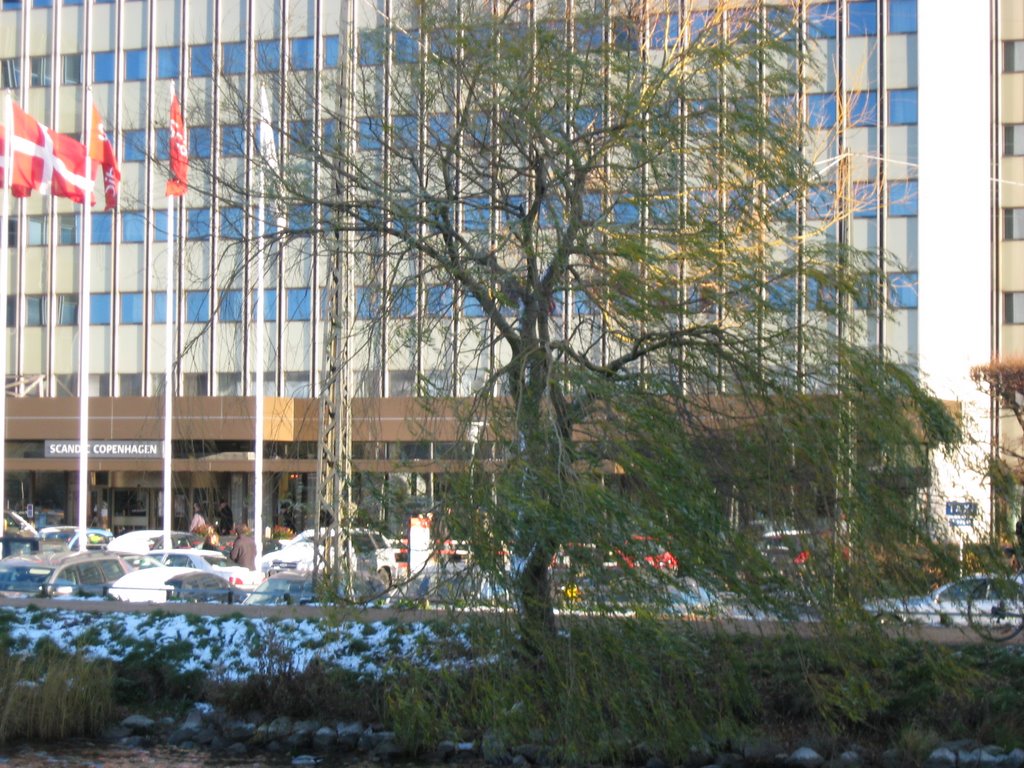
{"x": 374, "y": 554}
{"x": 211, "y": 561}
{"x": 141, "y": 542}
{"x": 944, "y": 605}
{"x": 158, "y": 585}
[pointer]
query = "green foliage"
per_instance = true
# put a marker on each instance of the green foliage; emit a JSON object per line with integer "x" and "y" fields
{"x": 52, "y": 695}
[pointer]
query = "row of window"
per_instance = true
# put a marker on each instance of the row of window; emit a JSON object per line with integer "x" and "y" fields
{"x": 166, "y": 62}
{"x": 131, "y": 308}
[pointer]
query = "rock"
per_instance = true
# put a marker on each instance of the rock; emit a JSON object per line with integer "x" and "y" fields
{"x": 1014, "y": 759}
{"x": 279, "y": 728}
{"x": 324, "y": 737}
{"x": 444, "y": 752}
{"x": 519, "y": 761}
{"x": 138, "y": 724}
{"x": 194, "y": 719}
{"x": 761, "y": 750}
{"x": 306, "y": 760}
{"x": 729, "y": 760}
{"x": 940, "y": 758}
{"x": 534, "y": 753}
{"x": 894, "y": 758}
{"x": 371, "y": 739}
{"x": 307, "y": 727}
{"x": 117, "y": 732}
{"x": 655, "y": 762}
{"x": 136, "y": 742}
{"x": 388, "y": 750}
{"x": 238, "y": 749}
{"x": 238, "y": 730}
{"x": 805, "y": 757}
{"x": 205, "y": 735}
{"x": 348, "y": 735}
{"x": 848, "y": 759}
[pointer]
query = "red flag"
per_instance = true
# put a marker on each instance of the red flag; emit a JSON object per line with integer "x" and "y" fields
{"x": 102, "y": 152}
{"x": 46, "y": 160}
{"x": 27, "y": 173}
{"x": 177, "y": 184}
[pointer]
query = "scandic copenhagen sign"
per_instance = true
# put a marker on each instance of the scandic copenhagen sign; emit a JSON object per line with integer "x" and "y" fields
{"x": 105, "y": 449}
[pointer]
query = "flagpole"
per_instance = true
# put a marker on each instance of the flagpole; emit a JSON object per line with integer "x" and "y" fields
{"x": 4, "y": 261}
{"x": 84, "y": 347}
{"x": 260, "y": 364}
{"x": 168, "y": 367}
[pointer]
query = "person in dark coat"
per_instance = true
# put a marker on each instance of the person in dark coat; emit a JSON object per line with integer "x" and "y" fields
{"x": 225, "y": 517}
{"x": 244, "y": 550}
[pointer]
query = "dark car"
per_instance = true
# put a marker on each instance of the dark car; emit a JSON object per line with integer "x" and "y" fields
{"x": 283, "y": 589}
{"x": 64, "y": 574}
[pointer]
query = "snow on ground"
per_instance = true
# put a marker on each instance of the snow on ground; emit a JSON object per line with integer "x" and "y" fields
{"x": 237, "y": 645}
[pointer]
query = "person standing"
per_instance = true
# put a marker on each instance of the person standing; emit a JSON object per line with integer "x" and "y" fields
{"x": 243, "y": 551}
{"x": 198, "y": 522}
{"x": 225, "y": 517}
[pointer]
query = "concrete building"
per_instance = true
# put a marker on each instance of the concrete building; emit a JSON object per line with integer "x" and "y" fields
{"x": 921, "y": 164}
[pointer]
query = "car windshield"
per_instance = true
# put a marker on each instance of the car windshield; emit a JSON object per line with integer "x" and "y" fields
{"x": 12, "y": 575}
{"x": 217, "y": 559}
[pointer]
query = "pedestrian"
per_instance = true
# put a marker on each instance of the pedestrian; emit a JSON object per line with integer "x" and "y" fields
{"x": 198, "y": 522}
{"x": 225, "y": 517}
{"x": 212, "y": 540}
{"x": 243, "y": 551}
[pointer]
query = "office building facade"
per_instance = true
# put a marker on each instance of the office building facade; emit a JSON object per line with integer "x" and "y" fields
{"x": 918, "y": 162}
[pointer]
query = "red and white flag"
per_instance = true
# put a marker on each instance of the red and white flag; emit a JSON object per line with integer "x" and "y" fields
{"x": 177, "y": 184}
{"x": 101, "y": 151}
{"x": 44, "y": 160}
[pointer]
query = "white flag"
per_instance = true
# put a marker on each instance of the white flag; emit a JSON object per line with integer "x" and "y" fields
{"x": 265, "y": 134}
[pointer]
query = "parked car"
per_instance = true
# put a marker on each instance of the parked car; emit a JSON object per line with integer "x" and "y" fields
{"x": 14, "y": 546}
{"x": 66, "y": 537}
{"x": 141, "y": 542}
{"x": 374, "y": 554}
{"x": 62, "y": 574}
{"x": 946, "y": 604}
{"x": 211, "y": 561}
{"x": 283, "y": 589}
{"x": 174, "y": 584}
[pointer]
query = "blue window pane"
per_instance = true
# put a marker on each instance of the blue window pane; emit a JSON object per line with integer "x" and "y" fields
{"x": 439, "y": 129}
{"x": 131, "y": 308}
{"x": 168, "y": 62}
{"x": 102, "y": 228}
{"x": 903, "y": 290}
{"x": 231, "y": 223}
{"x": 298, "y": 303}
{"x": 406, "y": 130}
{"x": 903, "y": 107}
{"x": 582, "y": 304}
{"x": 270, "y": 305}
{"x": 865, "y": 200}
{"x": 300, "y": 218}
{"x": 199, "y": 143}
{"x": 781, "y": 22}
{"x": 201, "y": 60}
{"x": 371, "y": 48}
{"x": 197, "y": 307}
{"x": 781, "y": 294}
{"x": 550, "y": 213}
{"x": 370, "y": 129}
{"x": 407, "y": 46}
{"x": 134, "y": 146}
{"x": 232, "y": 141}
{"x": 589, "y": 37}
{"x": 230, "y": 310}
{"x": 476, "y": 214}
{"x": 821, "y": 203}
{"x": 471, "y": 306}
{"x": 160, "y": 307}
{"x": 133, "y": 227}
{"x": 439, "y": 301}
{"x": 268, "y": 55}
{"x": 160, "y": 225}
{"x": 66, "y": 2}
{"x": 197, "y": 223}
{"x": 903, "y": 198}
{"x": 821, "y": 110}
{"x": 99, "y": 309}
{"x": 233, "y": 58}
{"x": 665, "y": 32}
{"x": 135, "y": 64}
{"x": 902, "y": 16}
{"x": 403, "y": 301}
{"x": 331, "y": 51}
{"x": 625, "y": 214}
{"x": 821, "y": 20}
{"x": 163, "y": 143}
{"x": 863, "y": 109}
{"x": 303, "y": 53}
{"x": 863, "y": 18}
{"x": 367, "y": 302}
{"x": 40, "y": 4}
{"x": 103, "y": 67}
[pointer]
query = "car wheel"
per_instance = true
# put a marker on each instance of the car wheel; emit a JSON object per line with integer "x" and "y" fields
{"x": 384, "y": 575}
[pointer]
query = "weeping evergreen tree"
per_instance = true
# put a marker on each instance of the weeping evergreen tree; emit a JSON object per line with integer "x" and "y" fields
{"x": 611, "y": 231}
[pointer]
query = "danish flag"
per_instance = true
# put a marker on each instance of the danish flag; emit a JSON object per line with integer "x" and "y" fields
{"x": 42, "y": 159}
{"x": 177, "y": 184}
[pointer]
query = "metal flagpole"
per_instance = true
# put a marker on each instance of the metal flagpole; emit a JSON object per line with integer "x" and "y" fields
{"x": 169, "y": 335}
{"x": 83, "y": 339}
{"x": 4, "y": 261}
